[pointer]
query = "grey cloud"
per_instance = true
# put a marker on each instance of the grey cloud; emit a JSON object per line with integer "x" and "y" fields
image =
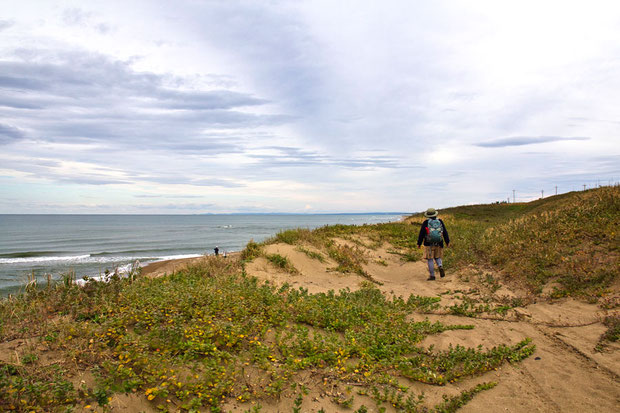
{"x": 295, "y": 157}
{"x": 94, "y": 78}
{"x": 584, "y": 119}
{"x": 527, "y": 140}
{"x": 174, "y": 207}
{"x": 273, "y": 42}
{"x": 79, "y": 17}
{"x": 46, "y": 163}
{"x": 10, "y": 134}
{"x": 79, "y": 74}
{"x": 47, "y": 169}
{"x": 169, "y": 179}
{"x": 215, "y": 182}
{"x": 75, "y": 16}
{"x": 103, "y": 28}
{"x": 91, "y": 180}
{"x": 87, "y": 97}
{"x": 217, "y": 99}
{"x": 168, "y": 196}
{"x": 18, "y": 82}
{"x": 191, "y": 207}
{"x": 5, "y": 24}
{"x": 15, "y": 102}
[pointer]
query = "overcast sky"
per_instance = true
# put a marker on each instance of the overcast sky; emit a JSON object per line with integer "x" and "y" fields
{"x": 192, "y": 106}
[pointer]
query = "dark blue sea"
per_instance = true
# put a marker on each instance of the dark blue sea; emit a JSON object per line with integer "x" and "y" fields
{"x": 91, "y": 244}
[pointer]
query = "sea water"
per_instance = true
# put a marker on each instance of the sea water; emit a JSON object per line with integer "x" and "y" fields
{"x": 90, "y": 245}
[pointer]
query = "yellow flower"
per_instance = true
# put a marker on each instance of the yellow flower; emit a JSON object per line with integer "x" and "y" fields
{"x": 151, "y": 396}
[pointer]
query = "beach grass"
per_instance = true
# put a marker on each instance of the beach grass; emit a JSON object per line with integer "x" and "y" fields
{"x": 570, "y": 240}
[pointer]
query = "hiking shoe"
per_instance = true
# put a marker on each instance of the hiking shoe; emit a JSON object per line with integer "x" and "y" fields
{"x": 442, "y": 272}
{"x": 430, "y": 279}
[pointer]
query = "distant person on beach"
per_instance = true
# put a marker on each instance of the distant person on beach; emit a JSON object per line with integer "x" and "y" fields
{"x": 433, "y": 233}
{"x": 217, "y": 251}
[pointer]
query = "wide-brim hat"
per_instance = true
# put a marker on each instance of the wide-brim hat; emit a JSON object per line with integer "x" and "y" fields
{"x": 431, "y": 213}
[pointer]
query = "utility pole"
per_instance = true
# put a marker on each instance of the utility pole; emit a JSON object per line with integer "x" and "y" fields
{"x": 584, "y": 187}
{"x": 542, "y": 193}
{"x": 513, "y": 196}
{"x": 556, "y": 189}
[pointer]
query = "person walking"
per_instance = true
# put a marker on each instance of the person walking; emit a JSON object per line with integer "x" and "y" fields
{"x": 433, "y": 233}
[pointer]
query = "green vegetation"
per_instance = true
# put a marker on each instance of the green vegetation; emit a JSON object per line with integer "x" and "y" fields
{"x": 281, "y": 262}
{"x": 612, "y": 334}
{"x": 343, "y": 244}
{"x": 401, "y": 236}
{"x": 210, "y": 334}
{"x": 571, "y": 239}
{"x": 312, "y": 254}
{"x": 188, "y": 340}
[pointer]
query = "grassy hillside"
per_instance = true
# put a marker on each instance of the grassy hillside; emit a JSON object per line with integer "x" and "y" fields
{"x": 570, "y": 240}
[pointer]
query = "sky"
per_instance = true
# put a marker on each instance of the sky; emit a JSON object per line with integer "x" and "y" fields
{"x": 184, "y": 107}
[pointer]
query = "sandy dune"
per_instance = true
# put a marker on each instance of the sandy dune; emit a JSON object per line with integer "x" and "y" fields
{"x": 565, "y": 374}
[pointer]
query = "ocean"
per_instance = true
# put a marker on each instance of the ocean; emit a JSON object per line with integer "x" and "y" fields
{"x": 92, "y": 244}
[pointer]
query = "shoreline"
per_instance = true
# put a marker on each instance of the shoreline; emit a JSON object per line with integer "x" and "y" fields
{"x": 160, "y": 268}
{"x": 17, "y": 271}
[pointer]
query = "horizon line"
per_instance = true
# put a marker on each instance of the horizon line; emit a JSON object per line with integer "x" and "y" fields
{"x": 218, "y": 213}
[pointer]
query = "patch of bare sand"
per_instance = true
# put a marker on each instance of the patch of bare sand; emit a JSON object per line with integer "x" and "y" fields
{"x": 555, "y": 379}
{"x": 312, "y": 274}
{"x": 566, "y": 312}
{"x": 584, "y": 340}
{"x": 12, "y": 351}
{"x": 160, "y": 268}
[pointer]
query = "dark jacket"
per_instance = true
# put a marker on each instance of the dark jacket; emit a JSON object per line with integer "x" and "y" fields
{"x": 424, "y": 230}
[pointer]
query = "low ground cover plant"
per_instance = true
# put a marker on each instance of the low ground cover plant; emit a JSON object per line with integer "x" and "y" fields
{"x": 210, "y": 333}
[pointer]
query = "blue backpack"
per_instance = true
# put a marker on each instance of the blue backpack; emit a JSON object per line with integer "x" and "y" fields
{"x": 434, "y": 233}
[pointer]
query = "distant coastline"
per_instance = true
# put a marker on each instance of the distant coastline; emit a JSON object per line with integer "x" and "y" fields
{"x": 91, "y": 244}
{"x": 214, "y": 214}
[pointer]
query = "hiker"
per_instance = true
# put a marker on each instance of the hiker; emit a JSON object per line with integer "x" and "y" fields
{"x": 217, "y": 251}
{"x": 433, "y": 233}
